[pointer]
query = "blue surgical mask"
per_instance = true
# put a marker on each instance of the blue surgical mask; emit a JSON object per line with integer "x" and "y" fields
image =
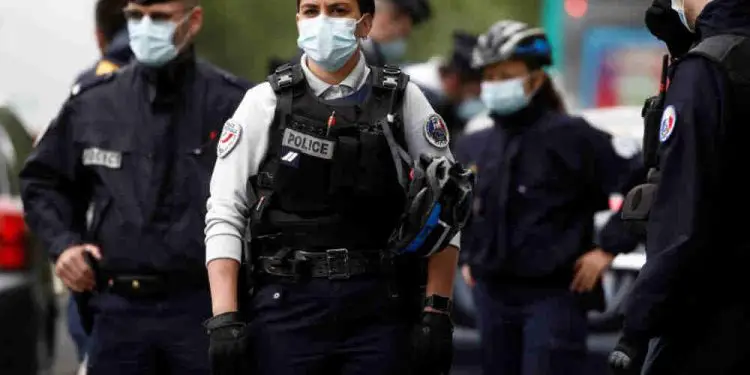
{"x": 394, "y": 50}
{"x": 329, "y": 41}
{"x": 469, "y": 108}
{"x": 152, "y": 42}
{"x": 505, "y": 97}
{"x": 679, "y": 7}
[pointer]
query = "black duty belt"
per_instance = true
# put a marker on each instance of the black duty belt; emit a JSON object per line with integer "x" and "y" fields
{"x": 151, "y": 285}
{"x": 334, "y": 264}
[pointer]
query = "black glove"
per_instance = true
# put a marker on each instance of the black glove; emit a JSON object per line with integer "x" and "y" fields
{"x": 628, "y": 356}
{"x": 228, "y": 348}
{"x": 664, "y": 23}
{"x": 432, "y": 345}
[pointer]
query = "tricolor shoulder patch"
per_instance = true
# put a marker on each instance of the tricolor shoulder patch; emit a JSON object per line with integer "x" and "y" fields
{"x": 228, "y": 139}
{"x": 436, "y": 131}
{"x": 668, "y": 122}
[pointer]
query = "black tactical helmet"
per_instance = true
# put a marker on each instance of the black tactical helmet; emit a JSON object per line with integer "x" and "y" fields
{"x": 512, "y": 40}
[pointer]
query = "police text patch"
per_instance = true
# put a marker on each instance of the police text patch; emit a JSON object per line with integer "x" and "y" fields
{"x": 668, "y": 121}
{"x": 102, "y": 158}
{"x": 307, "y": 144}
{"x": 436, "y": 131}
{"x": 228, "y": 139}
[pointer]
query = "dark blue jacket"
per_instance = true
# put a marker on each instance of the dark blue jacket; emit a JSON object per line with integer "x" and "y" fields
{"x": 541, "y": 176}
{"x": 697, "y": 244}
{"x": 140, "y": 145}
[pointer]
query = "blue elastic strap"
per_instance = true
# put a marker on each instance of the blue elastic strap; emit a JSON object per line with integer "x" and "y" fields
{"x": 429, "y": 226}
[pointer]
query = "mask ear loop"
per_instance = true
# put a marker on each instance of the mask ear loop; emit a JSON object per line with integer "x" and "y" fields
{"x": 188, "y": 36}
{"x": 356, "y": 25}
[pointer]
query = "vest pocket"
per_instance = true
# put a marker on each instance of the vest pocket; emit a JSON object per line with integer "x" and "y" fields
{"x": 373, "y": 174}
{"x": 345, "y": 165}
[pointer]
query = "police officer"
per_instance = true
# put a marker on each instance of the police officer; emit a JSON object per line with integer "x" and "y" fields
{"x": 391, "y": 29}
{"x": 541, "y": 176}
{"x": 696, "y": 249}
{"x": 112, "y": 39}
{"x": 317, "y": 145}
{"x": 139, "y": 145}
{"x": 452, "y": 86}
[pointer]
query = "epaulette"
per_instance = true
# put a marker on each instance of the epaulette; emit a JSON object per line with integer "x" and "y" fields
{"x": 731, "y": 52}
{"x": 84, "y": 85}
{"x": 210, "y": 69}
{"x": 286, "y": 76}
{"x": 234, "y": 80}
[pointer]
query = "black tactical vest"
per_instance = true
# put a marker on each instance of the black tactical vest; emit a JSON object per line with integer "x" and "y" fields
{"x": 329, "y": 179}
{"x": 732, "y": 54}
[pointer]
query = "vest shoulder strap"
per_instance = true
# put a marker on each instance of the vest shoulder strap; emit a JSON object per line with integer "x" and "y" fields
{"x": 388, "y": 78}
{"x": 731, "y": 52}
{"x": 286, "y": 77}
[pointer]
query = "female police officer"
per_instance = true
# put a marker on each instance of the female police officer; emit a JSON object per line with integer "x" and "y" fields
{"x": 541, "y": 175}
{"x": 323, "y": 198}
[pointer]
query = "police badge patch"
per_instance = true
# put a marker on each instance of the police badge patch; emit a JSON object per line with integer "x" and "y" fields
{"x": 668, "y": 121}
{"x": 436, "y": 131}
{"x": 229, "y": 138}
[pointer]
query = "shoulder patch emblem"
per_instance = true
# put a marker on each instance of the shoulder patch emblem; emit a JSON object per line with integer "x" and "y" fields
{"x": 668, "y": 122}
{"x": 228, "y": 139}
{"x": 436, "y": 131}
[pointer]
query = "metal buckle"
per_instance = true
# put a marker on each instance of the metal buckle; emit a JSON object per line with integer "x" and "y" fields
{"x": 338, "y": 264}
{"x": 390, "y": 81}
{"x": 284, "y": 75}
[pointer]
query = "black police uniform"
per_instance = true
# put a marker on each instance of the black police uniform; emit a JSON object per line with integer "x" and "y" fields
{"x": 139, "y": 145}
{"x": 541, "y": 176}
{"x": 352, "y": 204}
{"x": 697, "y": 245}
{"x": 116, "y": 55}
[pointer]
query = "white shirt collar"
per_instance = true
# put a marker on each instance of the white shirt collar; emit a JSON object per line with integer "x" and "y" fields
{"x": 354, "y": 81}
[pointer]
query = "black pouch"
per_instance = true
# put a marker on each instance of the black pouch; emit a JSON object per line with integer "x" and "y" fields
{"x": 345, "y": 164}
{"x": 371, "y": 173}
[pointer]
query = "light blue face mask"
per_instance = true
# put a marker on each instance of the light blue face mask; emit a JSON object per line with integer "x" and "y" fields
{"x": 469, "y": 108}
{"x": 152, "y": 41}
{"x": 679, "y": 7}
{"x": 394, "y": 50}
{"x": 505, "y": 97}
{"x": 329, "y": 41}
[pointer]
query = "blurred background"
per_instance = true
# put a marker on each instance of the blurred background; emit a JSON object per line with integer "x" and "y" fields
{"x": 604, "y": 55}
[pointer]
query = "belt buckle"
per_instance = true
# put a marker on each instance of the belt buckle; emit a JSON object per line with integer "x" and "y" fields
{"x": 338, "y": 264}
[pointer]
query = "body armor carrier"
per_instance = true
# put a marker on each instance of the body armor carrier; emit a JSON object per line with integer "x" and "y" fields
{"x": 330, "y": 178}
{"x": 731, "y": 53}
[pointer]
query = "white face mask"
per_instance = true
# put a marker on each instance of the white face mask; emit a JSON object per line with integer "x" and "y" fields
{"x": 152, "y": 41}
{"x": 679, "y": 7}
{"x": 505, "y": 97}
{"x": 329, "y": 41}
